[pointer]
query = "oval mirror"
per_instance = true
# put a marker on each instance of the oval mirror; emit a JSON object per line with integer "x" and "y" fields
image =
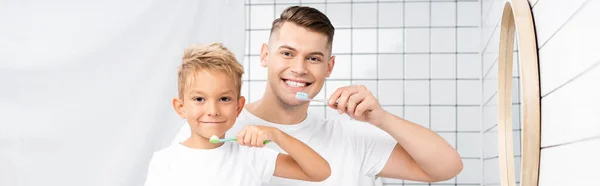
{"x": 518, "y": 97}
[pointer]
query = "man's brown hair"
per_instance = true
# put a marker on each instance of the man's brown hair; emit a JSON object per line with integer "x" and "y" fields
{"x": 307, "y": 17}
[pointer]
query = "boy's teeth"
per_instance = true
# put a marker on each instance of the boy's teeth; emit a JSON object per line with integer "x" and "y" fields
{"x": 295, "y": 84}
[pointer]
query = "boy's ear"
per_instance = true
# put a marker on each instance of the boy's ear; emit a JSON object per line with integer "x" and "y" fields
{"x": 264, "y": 55}
{"x": 178, "y": 106}
{"x": 330, "y": 65}
{"x": 241, "y": 103}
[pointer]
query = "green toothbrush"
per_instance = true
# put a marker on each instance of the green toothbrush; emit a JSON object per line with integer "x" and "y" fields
{"x": 215, "y": 139}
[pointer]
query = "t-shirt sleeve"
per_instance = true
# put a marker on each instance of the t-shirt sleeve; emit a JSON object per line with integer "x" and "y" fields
{"x": 262, "y": 161}
{"x": 372, "y": 145}
{"x": 157, "y": 171}
{"x": 183, "y": 134}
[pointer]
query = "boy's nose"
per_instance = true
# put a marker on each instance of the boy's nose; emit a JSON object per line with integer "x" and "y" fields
{"x": 213, "y": 114}
{"x": 212, "y": 109}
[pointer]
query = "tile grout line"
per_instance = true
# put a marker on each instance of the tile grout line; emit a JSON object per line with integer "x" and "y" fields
{"x": 456, "y": 81}
{"x": 596, "y": 64}
{"x": 403, "y": 64}
{"x": 565, "y": 23}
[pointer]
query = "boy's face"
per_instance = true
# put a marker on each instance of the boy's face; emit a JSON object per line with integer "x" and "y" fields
{"x": 297, "y": 60}
{"x": 210, "y": 103}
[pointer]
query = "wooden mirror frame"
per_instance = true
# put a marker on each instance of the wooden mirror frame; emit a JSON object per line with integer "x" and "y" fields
{"x": 517, "y": 14}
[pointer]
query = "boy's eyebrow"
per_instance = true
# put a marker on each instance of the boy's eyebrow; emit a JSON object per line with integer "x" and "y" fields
{"x": 222, "y": 92}
{"x": 293, "y": 49}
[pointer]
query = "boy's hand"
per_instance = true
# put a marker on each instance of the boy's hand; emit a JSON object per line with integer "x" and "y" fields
{"x": 255, "y": 136}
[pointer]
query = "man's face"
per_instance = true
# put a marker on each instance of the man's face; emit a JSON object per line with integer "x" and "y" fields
{"x": 297, "y": 60}
{"x": 210, "y": 104}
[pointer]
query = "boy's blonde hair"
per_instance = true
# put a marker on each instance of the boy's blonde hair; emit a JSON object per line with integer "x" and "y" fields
{"x": 211, "y": 58}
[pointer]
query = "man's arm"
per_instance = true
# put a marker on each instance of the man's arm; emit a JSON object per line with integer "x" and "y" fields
{"x": 419, "y": 155}
{"x": 301, "y": 162}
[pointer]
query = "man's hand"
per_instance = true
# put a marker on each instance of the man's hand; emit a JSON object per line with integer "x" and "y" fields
{"x": 359, "y": 103}
{"x": 255, "y": 136}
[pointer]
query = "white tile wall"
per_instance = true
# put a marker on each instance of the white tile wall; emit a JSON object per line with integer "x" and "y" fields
{"x": 574, "y": 164}
{"x": 390, "y": 66}
{"x": 416, "y": 40}
{"x": 443, "y": 92}
{"x": 581, "y": 35}
{"x": 419, "y": 58}
{"x": 568, "y": 44}
{"x": 416, "y": 66}
{"x": 444, "y": 14}
{"x": 341, "y": 41}
{"x": 416, "y": 92}
{"x": 443, "y": 118}
{"x": 443, "y": 40}
{"x": 364, "y": 40}
{"x": 390, "y": 14}
{"x": 390, "y": 41}
{"x": 573, "y": 111}
{"x": 367, "y": 66}
{"x": 443, "y": 66}
{"x": 416, "y": 14}
{"x": 364, "y": 15}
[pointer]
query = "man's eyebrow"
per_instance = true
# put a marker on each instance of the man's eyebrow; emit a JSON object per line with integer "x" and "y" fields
{"x": 293, "y": 49}
{"x": 317, "y": 53}
{"x": 287, "y": 47}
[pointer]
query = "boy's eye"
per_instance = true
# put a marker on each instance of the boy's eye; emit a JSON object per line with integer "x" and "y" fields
{"x": 199, "y": 99}
{"x": 225, "y": 99}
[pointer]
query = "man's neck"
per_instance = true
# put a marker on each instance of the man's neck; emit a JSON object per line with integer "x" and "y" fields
{"x": 271, "y": 109}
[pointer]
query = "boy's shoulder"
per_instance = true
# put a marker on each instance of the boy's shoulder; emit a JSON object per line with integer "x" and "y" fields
{"x": 166, "y": 152}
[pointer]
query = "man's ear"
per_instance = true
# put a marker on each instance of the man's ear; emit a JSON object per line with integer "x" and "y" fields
{"x": 330, "y": 65}
{"x": 241, "y": 103}
{"x": 178, "y": 106}
{"x": 264, "y": 54}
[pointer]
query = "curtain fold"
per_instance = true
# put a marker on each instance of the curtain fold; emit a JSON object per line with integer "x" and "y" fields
{"x": 86, "y": 86}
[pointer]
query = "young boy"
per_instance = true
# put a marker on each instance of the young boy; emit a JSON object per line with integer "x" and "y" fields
{"x": 209, "y": 83}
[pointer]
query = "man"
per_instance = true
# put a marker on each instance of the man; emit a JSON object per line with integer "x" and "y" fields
{"x": 375, "y": 144}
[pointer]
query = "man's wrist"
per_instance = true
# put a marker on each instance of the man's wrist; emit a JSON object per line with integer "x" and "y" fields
{"x": 381, "y": 118}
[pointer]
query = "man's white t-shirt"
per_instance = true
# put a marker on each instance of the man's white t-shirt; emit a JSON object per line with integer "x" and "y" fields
{"x": 353, "y": 149}
{"x": 229, "y": 164}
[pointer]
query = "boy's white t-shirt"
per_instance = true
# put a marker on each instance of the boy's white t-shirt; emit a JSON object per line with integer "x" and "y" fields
{"x": 229, "y": 164}
{"x": 354, "y": 149}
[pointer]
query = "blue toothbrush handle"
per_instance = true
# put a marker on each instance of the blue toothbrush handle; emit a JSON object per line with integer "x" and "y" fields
{"x": 235, "y": 139}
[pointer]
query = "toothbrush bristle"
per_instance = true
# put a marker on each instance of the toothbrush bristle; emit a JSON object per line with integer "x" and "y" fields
{"x": 302, "y": 96}
{"x": 214, "y": 139}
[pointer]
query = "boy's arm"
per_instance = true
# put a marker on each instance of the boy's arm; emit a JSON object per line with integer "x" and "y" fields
{"x": 301, "y": 162}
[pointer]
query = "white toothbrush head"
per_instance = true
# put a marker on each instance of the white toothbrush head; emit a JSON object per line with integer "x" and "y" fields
{"x": 214, "y": 139}
{"x": 302, "y": 96}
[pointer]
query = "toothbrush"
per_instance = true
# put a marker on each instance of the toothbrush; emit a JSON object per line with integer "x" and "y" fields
{"x": 304, "y": 97}
{"x": 215, "y": 139}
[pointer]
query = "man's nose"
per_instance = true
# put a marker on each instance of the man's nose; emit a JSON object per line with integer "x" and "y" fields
{"x": 298, "y": 66}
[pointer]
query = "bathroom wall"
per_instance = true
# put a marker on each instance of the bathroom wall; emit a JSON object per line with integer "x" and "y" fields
{"x": 567, "y": 38}
{"x": 419, "y": 58}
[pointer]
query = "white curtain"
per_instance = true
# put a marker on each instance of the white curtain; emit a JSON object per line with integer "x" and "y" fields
{"x": 86, "y": 86}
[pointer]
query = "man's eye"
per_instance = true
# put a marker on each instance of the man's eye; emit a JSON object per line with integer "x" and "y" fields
{"x": 225, "y": 99}
{"x": 199, "y": 99}
{"x": 314, "y": 59}
{"x": 286, "y": 53}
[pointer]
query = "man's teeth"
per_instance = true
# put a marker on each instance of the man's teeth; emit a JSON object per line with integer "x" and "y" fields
{"x": 295, "y": 84}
